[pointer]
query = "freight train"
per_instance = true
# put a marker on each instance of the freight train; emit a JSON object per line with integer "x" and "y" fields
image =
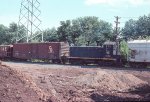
{"x": 61, "y": 52}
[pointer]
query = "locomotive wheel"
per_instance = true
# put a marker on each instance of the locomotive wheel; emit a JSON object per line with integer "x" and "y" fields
{"x": 75, "y": 61}
{"x": 72, "y": 62}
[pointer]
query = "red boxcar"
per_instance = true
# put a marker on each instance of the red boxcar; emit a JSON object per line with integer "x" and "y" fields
{"x": 6, "y": 51}
{"x": 48, "y": 50}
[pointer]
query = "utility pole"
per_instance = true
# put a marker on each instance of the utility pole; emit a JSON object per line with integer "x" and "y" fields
{"x": 117, "y": 33}
{"x": 29, "y": 21}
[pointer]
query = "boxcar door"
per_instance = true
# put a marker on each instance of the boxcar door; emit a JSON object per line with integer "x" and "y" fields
{"x": 51, "y": 51}
{"x": 34, "y": 51}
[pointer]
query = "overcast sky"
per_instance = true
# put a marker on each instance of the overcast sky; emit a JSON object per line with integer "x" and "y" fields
{"x": 54, "y": 11}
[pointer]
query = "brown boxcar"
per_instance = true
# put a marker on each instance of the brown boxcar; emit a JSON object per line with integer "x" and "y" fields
{"x": 48, "y": 50}
{"x": 6, "y": 51}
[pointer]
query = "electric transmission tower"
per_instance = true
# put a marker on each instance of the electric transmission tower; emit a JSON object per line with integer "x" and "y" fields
{"x": 29, "y": 21}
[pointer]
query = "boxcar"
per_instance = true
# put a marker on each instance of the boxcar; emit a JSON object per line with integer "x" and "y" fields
{"x": 6, "y": 51}
{"x": 140, "y": 52}
{"x": 49, "y": 50}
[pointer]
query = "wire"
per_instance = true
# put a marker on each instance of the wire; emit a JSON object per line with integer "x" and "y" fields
{"x": 129, "y": 17}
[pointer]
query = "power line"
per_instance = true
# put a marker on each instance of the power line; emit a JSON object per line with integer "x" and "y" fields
{"x": 129, "y": 17}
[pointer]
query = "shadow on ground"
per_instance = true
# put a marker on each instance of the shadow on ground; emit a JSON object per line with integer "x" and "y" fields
{"x": 143, "y": 91}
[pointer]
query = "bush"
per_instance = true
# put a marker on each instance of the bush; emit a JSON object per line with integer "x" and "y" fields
{"x": 124, "y": 49}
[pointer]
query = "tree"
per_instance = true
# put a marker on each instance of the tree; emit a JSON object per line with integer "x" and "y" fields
{"x": 75, "y": 31}
{"x": 81, "y": 30}
{"x": 50, "y": 35}
{"x": 20, "y": 34}
{"x": 137, "y": 28}
{"x": 143, "y": 26}
{"x": 64, "y": 30}
{"x": 8, "y": 34}
{"x": 124, "y": 49}
{"x": 4, "y": 35}
{"x": 129, "y": 31}
{"x": 13, "y": 29}
{"x": 94, "y": 29}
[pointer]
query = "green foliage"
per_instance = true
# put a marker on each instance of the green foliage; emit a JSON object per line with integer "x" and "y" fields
{"x": 129, "y": 30}
{"x": 135, "y": 29}
{"x": 21, "y": 33}
{"x": 8, "y": 34}
{"x": 64, "y": 30}
{"x": 124, "y": 50}
{"x": 81, "y": 30}
{"x": 13, "y": 27}
{"x": 4, "y": 35}
{"x": 93, "y": 29}
{"x": 50, "y": 35}
{"x": 77, "y": 31}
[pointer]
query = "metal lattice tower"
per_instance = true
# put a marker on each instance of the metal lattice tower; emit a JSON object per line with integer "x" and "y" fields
{"x": 29, "y": 20}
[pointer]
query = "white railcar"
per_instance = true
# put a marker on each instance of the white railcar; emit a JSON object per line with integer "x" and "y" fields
{"x": 140, "y": 51}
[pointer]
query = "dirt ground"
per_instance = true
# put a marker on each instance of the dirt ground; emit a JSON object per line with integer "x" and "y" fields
{"x": 16, "y": 87}
{"x": 66, "y": 83}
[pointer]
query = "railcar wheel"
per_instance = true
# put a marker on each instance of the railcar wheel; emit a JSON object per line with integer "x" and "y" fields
{"x": 56, "y": 61}
{"x": 101, "y": 63}
{"x": 131, "y": 64}
{"x": 63, "y": 59}
{"x": 142, "y": 65}
{"x": 75, "y": 61}
{"x": 72, "y": 62}
{"x": 138, "y": 65}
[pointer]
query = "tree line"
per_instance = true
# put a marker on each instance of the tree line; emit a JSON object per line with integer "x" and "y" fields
{"x": 137, "y": 29}
{"x": 81, "y": 30}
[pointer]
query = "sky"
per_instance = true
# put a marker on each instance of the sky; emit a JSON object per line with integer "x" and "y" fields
{"x": 54, "y": 11}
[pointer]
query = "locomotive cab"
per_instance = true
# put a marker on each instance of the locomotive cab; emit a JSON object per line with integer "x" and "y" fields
{"x": 112, "y": 53}
{"x": 109, "y": 49}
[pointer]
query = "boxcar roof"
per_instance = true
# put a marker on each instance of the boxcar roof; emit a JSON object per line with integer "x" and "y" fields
{"x": 39, "y": 43}
{"x": 6, "y": 45}
{"x": 109, "y": 43}
{"x": 139, "y": 41}
{"x": 85, "y": 46}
